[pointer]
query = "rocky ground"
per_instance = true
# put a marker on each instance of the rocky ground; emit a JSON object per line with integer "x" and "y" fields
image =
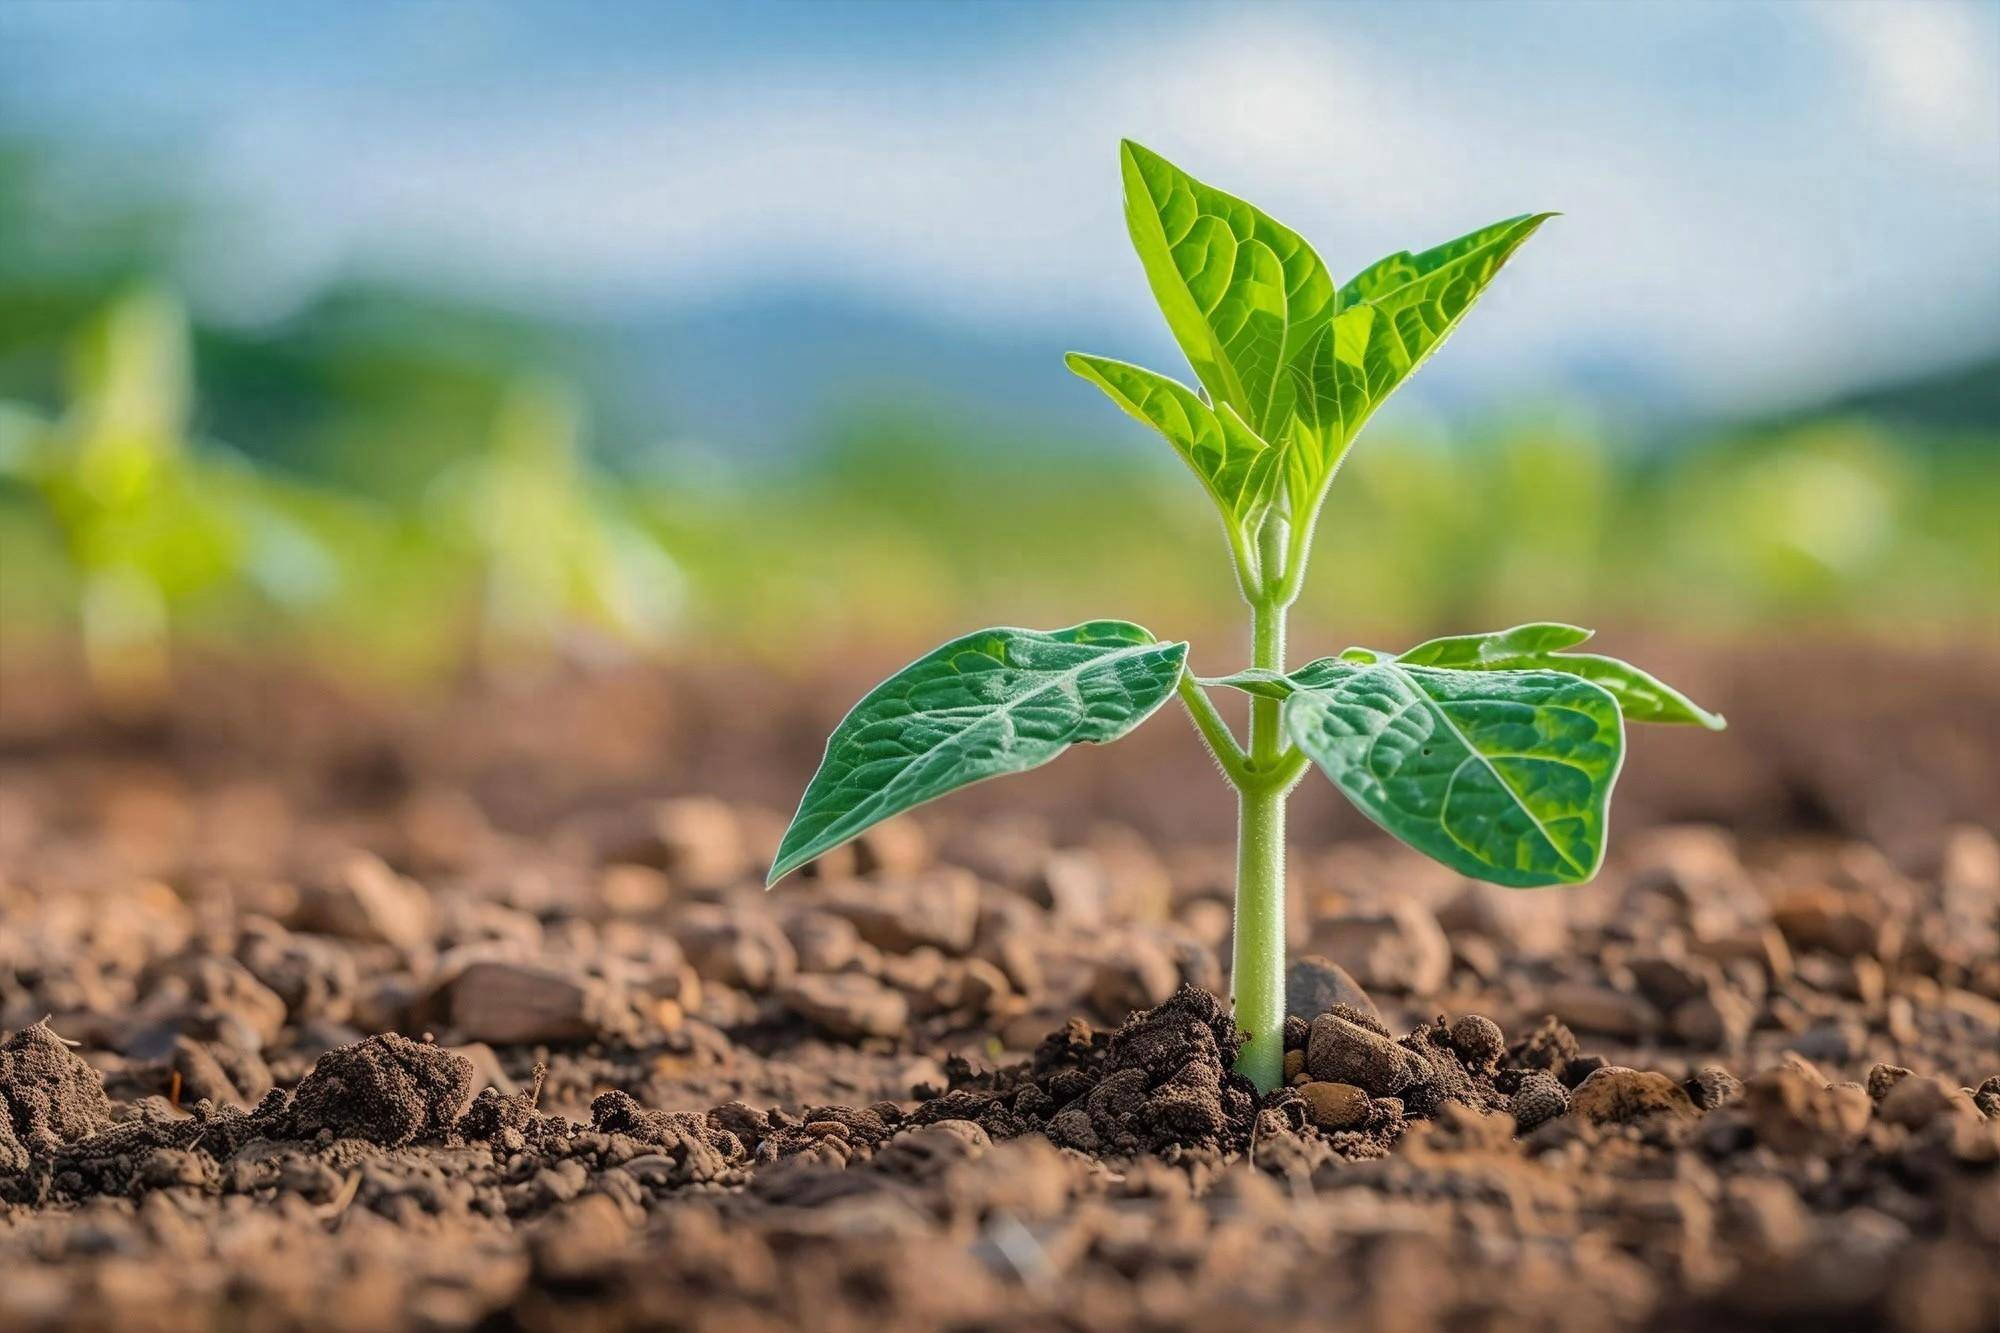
{"x": 322, "y": 1014}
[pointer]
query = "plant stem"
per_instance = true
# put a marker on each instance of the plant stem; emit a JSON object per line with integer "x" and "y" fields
{"x": 1257, "y": 978}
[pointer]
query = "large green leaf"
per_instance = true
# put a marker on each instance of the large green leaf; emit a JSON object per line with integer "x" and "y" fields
{"x": 1243, "y": 294}
{"x": 1232, "y": 462}
{"x": 1389, "y": 318}
{"x": 998, "y": 701}
{"x": 1504, "y": 776}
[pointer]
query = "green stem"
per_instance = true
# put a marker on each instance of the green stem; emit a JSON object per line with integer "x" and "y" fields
{"x": 1214, "y": 731}
{"x": 1257, "y": 978}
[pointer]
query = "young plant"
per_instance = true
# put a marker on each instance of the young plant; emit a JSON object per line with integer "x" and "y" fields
{"x": 1492, "y": 753}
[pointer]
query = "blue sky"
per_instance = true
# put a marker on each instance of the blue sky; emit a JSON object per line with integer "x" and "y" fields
{"x": 1762, "y": 200}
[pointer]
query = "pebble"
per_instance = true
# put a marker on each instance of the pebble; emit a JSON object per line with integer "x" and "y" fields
{"x": 1314, "y": 984}
{"x": 1539, "y": 1099}
{"x": 1401, "y": 950}
{"x": 1919, "y": 1099}
{"x": 848, "y": 1005}
{"x": 1616, "y": 1095}
{"x": 1336, "y": 1105}
{"x": 1478, "y": 1041}
{"x": 367, "y": 901}
{"x": 507, "y": 1003}
{"x": 1338, "y": 1051}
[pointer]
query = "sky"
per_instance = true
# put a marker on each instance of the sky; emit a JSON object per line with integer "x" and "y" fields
{"x": 1762, "y": 201}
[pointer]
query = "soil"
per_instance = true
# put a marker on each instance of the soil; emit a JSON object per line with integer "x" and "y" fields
{"x": 329, "y": 1013}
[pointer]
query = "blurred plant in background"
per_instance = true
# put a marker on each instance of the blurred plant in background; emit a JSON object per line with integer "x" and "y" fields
{"x": 407, "y": 490}
{"x": 557, "y": 555}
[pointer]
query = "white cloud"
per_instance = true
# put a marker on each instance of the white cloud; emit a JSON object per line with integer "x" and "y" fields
{"x": 1930, "y": 68}
{"x": 1724, "y": 229}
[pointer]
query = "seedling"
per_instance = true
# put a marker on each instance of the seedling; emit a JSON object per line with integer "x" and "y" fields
{"x": 1492, "y": 753}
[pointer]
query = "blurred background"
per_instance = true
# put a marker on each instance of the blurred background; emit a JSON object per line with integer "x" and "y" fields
{"x": 402, "y": 341}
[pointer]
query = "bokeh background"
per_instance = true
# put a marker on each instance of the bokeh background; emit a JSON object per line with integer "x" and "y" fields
{"x": 403, "y": 341}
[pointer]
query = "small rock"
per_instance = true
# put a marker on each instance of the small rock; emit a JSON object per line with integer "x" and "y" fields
{"x": 173, "y": 1168}
{"x": 697, "y": 840}
{"x": 1712, "y": 1086}
{"x": 1919, "y": 1099}
{"x": 367, "y": 901}
{"x": 1539, "y": 1099}
{"x": 939, "y": 910}
{"x": 736, "y": 948}
{"x": 1884, "y": 1077}
{"x": 1339, "y": 1051}
{"x": 1550, "y": 1047}
{"x": 1668, "y": 982}
{"x": 1718, "y": 1021}
{"x": 1599, "y": 1009}
{"x": 316, "y": 977}
{"x": 823, "y": 942}
{"x": 1848, "y": 925}
{"x": 848, "y": 1005}
{"x": 581, "y": 1241}
{"x": 1478, "y": 1041}
{"x": 510, "y": 1003}
{"x": 1336, "y": 1105}
{"x": 1314, "y": 985}
{"x": 1793, "y": 1112}
{"x": 1616, "y": 1095}
{"x": 896, "y": 846}
{"x": 1401, "y": 951}
{"x": 1138, "y": 975}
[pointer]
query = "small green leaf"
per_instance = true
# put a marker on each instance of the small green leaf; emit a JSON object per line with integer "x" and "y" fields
{"x": 1486, "y": 650}
{"x": 1268, "y": 684}
{"x": 1243, "y": 294}
{"x": 1504, "y": 776}
{"x": 1231, "y": 461}
{"x": 1642, "y": 697}
{"x": 997, "y": 701}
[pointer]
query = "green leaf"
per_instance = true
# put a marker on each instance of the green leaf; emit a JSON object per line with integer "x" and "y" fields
{"x": 1504, "y": 776}
{"x": 1268, "y": 684}
{"x": 1243, "y": 294}
{"x": 997, "y": 701}
{"x": 1642, "y": 697}
{"x": 1488, "y": 650}
{"x": 1235, "y": 465}
{"x": 1389, "y": 318}
{"x": 1404, "y": 278}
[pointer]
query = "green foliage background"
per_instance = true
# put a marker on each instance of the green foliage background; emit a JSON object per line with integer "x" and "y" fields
{"x": 393, "y": 484}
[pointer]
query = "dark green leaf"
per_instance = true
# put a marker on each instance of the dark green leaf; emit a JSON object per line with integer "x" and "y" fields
{"x": 998, "y": 701}
{"x": 1504, "y": 776}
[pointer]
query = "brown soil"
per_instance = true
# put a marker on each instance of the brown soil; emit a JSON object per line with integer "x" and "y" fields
{"x": 323, "y": 1014}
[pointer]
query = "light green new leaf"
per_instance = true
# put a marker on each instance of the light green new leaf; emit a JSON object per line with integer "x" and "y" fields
{"x": 997, "y": 701}
{"x": 1243, "y": 294}
{"x": 1388, "y": 319}
{"x": 1231, "y": 461}
{"x": 1504, "y": 776}
{"x": 1473, "y": 257}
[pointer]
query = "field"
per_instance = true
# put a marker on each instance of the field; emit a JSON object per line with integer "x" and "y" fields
{"x": 332, "y": 1011}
